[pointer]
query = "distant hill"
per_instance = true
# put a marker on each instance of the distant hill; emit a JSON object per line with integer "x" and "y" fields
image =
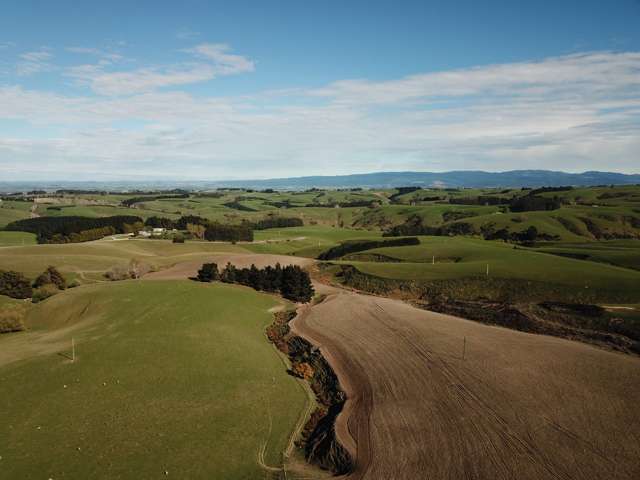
{"x": 460, "y": 178}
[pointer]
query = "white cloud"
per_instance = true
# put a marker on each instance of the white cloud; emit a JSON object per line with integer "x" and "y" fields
{"x": 578, "y": 112}
{"x": 225, "y": 63}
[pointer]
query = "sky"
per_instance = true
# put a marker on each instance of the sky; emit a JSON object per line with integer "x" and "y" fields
{"x": 206, "y": 90}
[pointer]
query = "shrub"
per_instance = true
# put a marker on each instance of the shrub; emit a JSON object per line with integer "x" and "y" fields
{"x": 135, "y": 269}
{"x": 44, "y": 292}
{"x": 11, "y": 321}
{"x": 178, "y": 239}
{"x": 118, "y": 272}
{"x": 50, "y": 276}
{"x": 138, "y": 268}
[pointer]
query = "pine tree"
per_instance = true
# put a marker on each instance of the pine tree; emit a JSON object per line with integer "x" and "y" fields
{"x": 228, "y": 274}
{"x": 208, "y": 273}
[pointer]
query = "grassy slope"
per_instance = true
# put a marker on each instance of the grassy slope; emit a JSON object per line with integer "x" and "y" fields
{"x": 91, "y": 259}
{"x": 11, "y": 211}
{"x": 8, "y": 239}
{"x": 504, "y": 261}
{"x": 624, "y": 253}
{"x": 304, "y": 241}
{"x": 192, "y": 386}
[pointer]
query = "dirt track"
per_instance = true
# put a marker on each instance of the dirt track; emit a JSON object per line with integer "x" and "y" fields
{"x": 519, "y": 406}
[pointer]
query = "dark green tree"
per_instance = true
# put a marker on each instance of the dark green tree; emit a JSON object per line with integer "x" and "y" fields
{"x": 14, "y": 284}
{"x": 208, "y": 273}
{"x": 228, "y": 275}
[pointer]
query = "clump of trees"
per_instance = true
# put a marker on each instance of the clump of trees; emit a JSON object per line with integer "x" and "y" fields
{"x": 236, "y": 205}
{"x": 75, "y": 229}
{"x": 278, "y": 222}
{"x": 292, "y": 282}
{"x": 159, "y": 222}
{"x": 203, "y": 228}
{"x": 479, "y": 200}
{"x": 47, "y": 284}
{"x": 530, "y": 203}
{"x": 228, "y": 233}
{"x": 150, "y": 198}
{"x": 15, "y": 284}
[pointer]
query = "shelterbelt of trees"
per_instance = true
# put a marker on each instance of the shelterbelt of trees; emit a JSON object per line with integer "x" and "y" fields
{"x": 263, "y": 224}
{"x": 292, "y": 282}
{"x": 75, "y": 229}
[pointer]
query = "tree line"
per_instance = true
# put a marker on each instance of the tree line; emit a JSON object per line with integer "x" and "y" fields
{"x": 215, "y": 231}
{"x": 292, "y": 282}
{"x": 73, "y": 229}
{"x": 355, "y": 246}
{"x": 133, "y": 200}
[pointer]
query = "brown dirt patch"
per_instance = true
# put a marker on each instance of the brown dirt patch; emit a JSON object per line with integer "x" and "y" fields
{"x": 519, "y": 406}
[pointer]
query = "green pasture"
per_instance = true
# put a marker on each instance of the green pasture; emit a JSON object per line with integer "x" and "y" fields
{"x": 10, "y": 239}
{"x": 623, "y": 253}
{"x": 10, "y": 211}
{"x": 89, "y": 261}
{"x": 304, "y": 241}
{"x": 172, "y": 379}
{"x": 459, "y": 257}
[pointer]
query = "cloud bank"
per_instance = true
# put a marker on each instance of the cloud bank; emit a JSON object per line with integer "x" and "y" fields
{"x": 576, "y": 112}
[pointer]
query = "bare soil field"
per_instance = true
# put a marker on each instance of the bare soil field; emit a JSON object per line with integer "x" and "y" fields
{"x": 517, "y": 406}
{"x": 241, "y": 260}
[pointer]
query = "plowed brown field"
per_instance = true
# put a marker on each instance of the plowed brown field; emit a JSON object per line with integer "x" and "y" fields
{"x": 519, "y": 406}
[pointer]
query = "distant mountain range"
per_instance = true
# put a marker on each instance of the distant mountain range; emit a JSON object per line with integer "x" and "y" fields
{"x": 462, "y": 178}
{"x": 459, "y": 179}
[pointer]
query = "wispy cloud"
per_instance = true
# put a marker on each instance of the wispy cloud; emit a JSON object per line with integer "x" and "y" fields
{"x": 107, "y": 55}
{"x": 210, "y": 61}
{"x": 34, "y": 62}
{"x": 225, "y": 63}
{"x": 577, "y": 112}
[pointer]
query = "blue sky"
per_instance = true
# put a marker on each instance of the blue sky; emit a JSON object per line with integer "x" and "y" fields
{"x": 211, "y": 90}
